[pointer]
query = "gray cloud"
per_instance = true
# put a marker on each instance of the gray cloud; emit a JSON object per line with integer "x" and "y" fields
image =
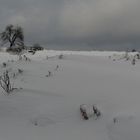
{"x": 97, "y": 23}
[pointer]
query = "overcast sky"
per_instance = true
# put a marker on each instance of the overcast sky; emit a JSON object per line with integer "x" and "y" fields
{"x": 87, "y": 23}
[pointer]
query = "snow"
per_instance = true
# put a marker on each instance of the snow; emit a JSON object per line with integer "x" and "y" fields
{"x": 48, "y": 107}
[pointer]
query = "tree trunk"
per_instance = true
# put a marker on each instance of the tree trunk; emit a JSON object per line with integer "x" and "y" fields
{"x": 11, "y": 44}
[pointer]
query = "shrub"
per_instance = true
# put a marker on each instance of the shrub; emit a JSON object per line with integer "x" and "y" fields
{"x": 5, "y": 82}
{"x": 36, "y": 47}
{"x": 15, "y": 50}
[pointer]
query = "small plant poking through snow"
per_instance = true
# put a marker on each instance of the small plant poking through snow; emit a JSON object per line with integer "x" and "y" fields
{"x": 61, "y": 56}
{"x": 4, "y": 64}
{"x": 133, "y": 61}
{"x": 115, "y": 120}
{"x": 49, "y": 74}
{"x": 57, "y": 67}
{"x": 20, "y": 71}
{"x": 5, "y": 82}
{"x": 26, "y": 58}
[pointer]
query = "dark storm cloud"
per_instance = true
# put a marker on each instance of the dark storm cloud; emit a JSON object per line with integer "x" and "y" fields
{"x": 92, "y": 22}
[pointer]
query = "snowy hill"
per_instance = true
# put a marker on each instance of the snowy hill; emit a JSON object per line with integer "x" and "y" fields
{"x": 47, "y": 106}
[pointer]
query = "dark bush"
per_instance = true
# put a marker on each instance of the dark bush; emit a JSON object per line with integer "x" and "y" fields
{"x": 36, "y": 47}
{"x": 133, "y": 50}
{"x": 14, "y": 50}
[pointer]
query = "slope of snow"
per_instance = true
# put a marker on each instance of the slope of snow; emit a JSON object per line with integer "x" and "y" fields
{"x": 48, "y": 107}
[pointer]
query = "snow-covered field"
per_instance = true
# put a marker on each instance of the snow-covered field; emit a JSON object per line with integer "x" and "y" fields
{"x": 47, "y": 107}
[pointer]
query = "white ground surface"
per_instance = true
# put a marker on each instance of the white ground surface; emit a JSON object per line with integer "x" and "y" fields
{"x": 47, "y": 108}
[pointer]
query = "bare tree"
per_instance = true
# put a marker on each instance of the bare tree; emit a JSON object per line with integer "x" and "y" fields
{"x": 13, "y": 35}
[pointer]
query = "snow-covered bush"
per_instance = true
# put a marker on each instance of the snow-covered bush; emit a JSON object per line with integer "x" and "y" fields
{"x": 83, "y": 110}
{"x": 88, "y": 111}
